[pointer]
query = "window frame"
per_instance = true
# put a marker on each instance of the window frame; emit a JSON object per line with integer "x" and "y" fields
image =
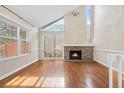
{"x": 27, "y": 39}
{"x": 89, "y": 22}
{"x": 18, "y": 39}
{"x": 46, "y": 27}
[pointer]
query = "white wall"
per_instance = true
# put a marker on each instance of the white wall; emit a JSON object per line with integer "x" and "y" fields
{"x": 108, "y": 31}
{"x": 10, "y": 66}
{"x": 75, "y": 28}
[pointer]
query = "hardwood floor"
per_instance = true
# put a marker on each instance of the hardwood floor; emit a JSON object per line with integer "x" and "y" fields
{"x": 56, "y": 74}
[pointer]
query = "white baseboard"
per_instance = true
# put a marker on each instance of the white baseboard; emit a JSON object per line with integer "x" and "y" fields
{"x": 11, "y": 72}
{"x": 107, "y": 66}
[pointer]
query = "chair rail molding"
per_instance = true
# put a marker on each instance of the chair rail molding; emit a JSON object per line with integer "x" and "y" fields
{"x": 110, "y": 51}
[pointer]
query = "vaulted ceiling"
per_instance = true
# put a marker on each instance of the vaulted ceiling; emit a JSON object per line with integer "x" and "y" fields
{"x": 40, "y": 15}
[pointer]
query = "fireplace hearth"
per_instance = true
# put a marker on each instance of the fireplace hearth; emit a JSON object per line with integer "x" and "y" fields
{"x": 75, "y": 55}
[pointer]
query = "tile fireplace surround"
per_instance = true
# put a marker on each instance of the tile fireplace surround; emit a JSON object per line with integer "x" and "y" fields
{"x": 87, "y": 52}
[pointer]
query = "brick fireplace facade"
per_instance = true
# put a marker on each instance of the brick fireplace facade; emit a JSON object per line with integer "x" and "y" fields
{"x": 86, "y": 52}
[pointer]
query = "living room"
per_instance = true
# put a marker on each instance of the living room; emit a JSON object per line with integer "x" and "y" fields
{"x": 63, "y": 46}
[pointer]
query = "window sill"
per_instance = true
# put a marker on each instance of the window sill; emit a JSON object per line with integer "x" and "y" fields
{"x": 10, "y": 58}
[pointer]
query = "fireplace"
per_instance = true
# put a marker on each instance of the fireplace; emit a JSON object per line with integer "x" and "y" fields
{"x": 75, "y": 55}
{"x": 84, "y": 53}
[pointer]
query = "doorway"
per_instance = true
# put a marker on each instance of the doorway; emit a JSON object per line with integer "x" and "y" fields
{"x": 53, "y": 45}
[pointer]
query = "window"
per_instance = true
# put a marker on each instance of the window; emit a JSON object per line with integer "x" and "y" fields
{"x": 24, "y": 41}
{"x": 89, "y": 24}
{"x": 53, "y": 40}
{"x": 88, "y": 14}
{"x": 53, "y": 45}
{"x": 55, "y": 26}
{"x": 9, "y": 39}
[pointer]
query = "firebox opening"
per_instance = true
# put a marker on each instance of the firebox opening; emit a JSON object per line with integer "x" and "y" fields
{"x": 75, "y": 55}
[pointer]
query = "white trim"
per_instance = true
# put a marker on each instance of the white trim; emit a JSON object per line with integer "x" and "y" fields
{"x": 12, "y": 72}
{"x": 78, "y": 45}
{"x": 18, "y": 42}
{"x": 8, "y": 37}
{"x": 110, "y": 51}
{"x": 54, "y": 58}
{"x": 53, "y": 31}
{"x": 10, "y": 58}
{"x": 36, "y": 49}
{"x": 106, "y": 65}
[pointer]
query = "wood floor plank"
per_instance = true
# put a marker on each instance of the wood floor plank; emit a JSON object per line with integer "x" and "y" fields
{"x": 59, "y": 74}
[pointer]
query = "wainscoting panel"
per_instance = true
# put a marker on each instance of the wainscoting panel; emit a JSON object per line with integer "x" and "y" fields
{"x": 100, "y": 55}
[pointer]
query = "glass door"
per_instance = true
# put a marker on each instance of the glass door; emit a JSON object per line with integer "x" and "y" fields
{"x": 58, "y": 52}
{"x": 53, "y": 45}
{"x": 48, "y": 45}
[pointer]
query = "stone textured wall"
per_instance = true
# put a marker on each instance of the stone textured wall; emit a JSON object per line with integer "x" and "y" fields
{"x": 87, "y": 52}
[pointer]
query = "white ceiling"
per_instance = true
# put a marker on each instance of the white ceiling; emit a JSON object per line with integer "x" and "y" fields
{"x": 40, "y": 15}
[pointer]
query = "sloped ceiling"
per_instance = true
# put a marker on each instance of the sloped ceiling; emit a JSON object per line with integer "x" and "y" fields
{"x": 40, "y": 15}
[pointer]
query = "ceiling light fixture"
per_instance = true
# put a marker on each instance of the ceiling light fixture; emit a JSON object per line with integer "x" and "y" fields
{"x": 75, "y": 13}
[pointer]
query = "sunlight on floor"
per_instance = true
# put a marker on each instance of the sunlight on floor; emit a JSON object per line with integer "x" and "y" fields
{"x": 123, "y": 78}
{"x": 31, "y": 81}
{"x": 12, "y": 81}
{"x": 89, "y": 81}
